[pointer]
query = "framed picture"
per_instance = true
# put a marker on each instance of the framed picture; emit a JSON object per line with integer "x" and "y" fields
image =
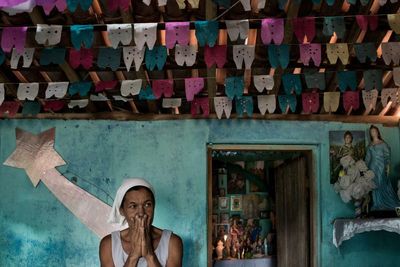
{"x": 214, "y": 219}
{"x": 236, "y": 182}
{"x": 257, "y": 168}
{"x": 342, "y": 144}
{"x": 222, "y": 177}
{"x": 221, "y": 229}
{"x": 224, "y": 218}
{"x": 222, "y": 192}
{"x": 264, "y": 214}
{"x": 223, "y": 203}
{"x": 236, "y": 203}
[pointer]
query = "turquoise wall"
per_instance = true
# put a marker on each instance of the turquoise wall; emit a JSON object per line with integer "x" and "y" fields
{"x": 37, "y": 230}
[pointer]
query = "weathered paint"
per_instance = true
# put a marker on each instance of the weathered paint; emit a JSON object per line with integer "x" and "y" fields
{"x": 37, "y": 230}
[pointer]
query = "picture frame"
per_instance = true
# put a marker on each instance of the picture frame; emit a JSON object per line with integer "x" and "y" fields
{"x": 224, "y": 218}
{"x": 236, "y": 203}
{"x": 222, "y": 192}
{"x": 221, "y": 229}
{"x": 223, "y": 203}
{"x": 214, "y": 219}
{"x": 236, "y": 183}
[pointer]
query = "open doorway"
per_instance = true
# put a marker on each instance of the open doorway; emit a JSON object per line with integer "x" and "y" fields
{"x": 261, "y": 206}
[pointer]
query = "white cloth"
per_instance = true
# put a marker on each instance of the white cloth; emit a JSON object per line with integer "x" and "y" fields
{"x": 119, "y": 33}
{"x": 243, "y": 53}
{"x": 133, "y": 53}
{"x": 145, "y": 33}
{"x": 391, "y": 52}
{"x": 185, "y": 54}
{"x": 331, "y": 101}
{"x": 262, "y": 82}
{"x": 2, "y": 93}
{"x": 393, "y": 94}
{"x": 27, "y": 91}
{"x": 115, "y": 216}
{"x": 81, "y": 103}
{"x": 131, "y": 87}
{"x": 369, "y": 98}
{"x": 223, "y": 104}
{"x": 57, "y": 89}
{"x": 266, "y": 102}
{"x": 171, "y": 102}
{"x": 119, "y": 256}
{"x": 236, "y": 28}
{"x": 48, "y": 34}
{"x": 27, "y": 57}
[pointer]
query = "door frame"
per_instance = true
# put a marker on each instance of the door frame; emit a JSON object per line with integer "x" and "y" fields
{"x": 312, "y": 153}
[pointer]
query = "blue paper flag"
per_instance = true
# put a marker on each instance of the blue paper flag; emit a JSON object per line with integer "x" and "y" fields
{"x": 146, "y": 93}
{"x": 82, "y": 34}
{"x": 2, "y": 56}
{"x": 373, "y": 79}
{"x": 72, "y": 5}
{"x": 156, "y": 57}
{"x": 244, "y": 104}
{"x": 207, "y": 32}
{"x": 54, "y": 55}
{"x": 223, "y": 3}
{"x": 354, "y": 2}
{"x": 278, "y": 55}
{"x": 30, "y": 108}
{"x": 315, "y": 80}
{"x": 334, "y": 24}
{"x": 285, "y": 100}
{"x": 364, "y": 51}
{"x": 347, "y": 79}
{"x": 109, "y": 57}
{"x": 82, "y": 88}
{"x": 292, "y": 82}
{"x": 234, "y": 86}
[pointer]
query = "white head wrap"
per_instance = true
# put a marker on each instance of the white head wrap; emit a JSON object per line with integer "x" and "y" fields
{"x": 115, "y": 216}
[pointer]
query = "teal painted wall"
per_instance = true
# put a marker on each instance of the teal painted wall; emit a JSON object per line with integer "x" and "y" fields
{"x": 37, "y": 230}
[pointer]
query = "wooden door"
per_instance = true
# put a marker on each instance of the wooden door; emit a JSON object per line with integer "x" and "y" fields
{"x": 292, "y": 214}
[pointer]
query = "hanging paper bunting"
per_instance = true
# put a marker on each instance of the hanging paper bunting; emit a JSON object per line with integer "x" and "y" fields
{"x": 53, "y": 105}
{"x": 162, "y": 2}
{"x": 27, "y": 91}
{"x": 353, "y": 2}
{"x": 156, "y": 57}
{"x": 48, "y": 34}
{"x": 2, "y": 93}
{"x": 113, "y": 5}
{"x": 394, "y": 22}
{"x": 12, "y": 9}
{"x": 347, "y": 79}
{"x": 120, "y": 98}
{"x": 391, "y": 52}
{"x": 202, "y": 103}
{"x": 171, "y": 102}
{"x": 206, "y": 32}
{"x": 147, "y": 2}
{"x": 193, "y": 86}
{"x": 244, "y": 104}
{"x": 262, "y": 82}
{"x": 331, "y": 101}
{"x": 48, "y": 5}
{"x": 73, "y": 4}
{"x": 177, "y": 33}
{"x": 335, "y": 51}
{"x": 304, "y": 27}
{"x": 163, "y": 87}
{"x": 287, "y": 101}
{"x": 278, "y": 55}
{"x": 109, "y": 57}
{"x": 292, "y": 82}
{"x": 81, "y": 88}
{"x": 396, "y": 76}
{"x": 310, "y": 51}
{"x": 2, "y": 57}
{"x": 55, "y": 55}
{"x": 282, "y": 4}
{"x": 234, "y": 86}
{"x": 246, "y": 5}
{"x": 373, "y": 79}
{"x": 310, "y": 102}
{"x": 57, "y": 89}
{"x": 82, "y": 57}
{"x": 334, "y": 25}
{"x": 133, "y": 53}
{"x": 364, "y": 20}
{"x": 222, "y": 105}
{"x": 13, "y": 36}
{"x": 370, "y": 98}
{"x": 272, "y": 30}
{"x": 215, "y": 55}
{"x": 351, "y": 100}
{"x": 261, "y": 4}
{"x": 185, "y": 54}
{"x": 146, "y": 93}
{"x": 243, "y": 53}
{"x": 390, "y": 93}
{"x": 119, "y": 33}
{"x": 131, "y": 87}
{"x": 105, "y": 85}
{"x": 383, "y": 2}
{"x": 27, "y": 57}
{"x": 266, "y": 102}
{"x": 237, "y": 29}
{"x": 194, "y": 3}
{"x": 364, "y": 51}
{"x": 145, "y": 33}
{"x": 98, "y": 98}
{"x": 223, "y": 3}
{"x": 82, "y": 34}
{"x": 80, "y": 103}
{"x": 9, "y": 109}
{"x": 181, "y": 4}
{"x": 315, "y": 80}
{"x": 30, "y": 108}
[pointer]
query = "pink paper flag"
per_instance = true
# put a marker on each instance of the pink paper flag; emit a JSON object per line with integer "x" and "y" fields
{"x": 200, "y": 103}
{"x": 310, "y": 102}
{"x": 351, "y": 100}
{"x": 48, "y": 5}
{"x": 304, "y": 27}
{"x": 10, "y": 3}
{"x": 272, "y": 29}
{"x": 54, "y": 105}
{"x": 177, "y": 32}
{"x": 193, "y": 86}
{"x": 9, "y": 109}
{"x": 122, "y": 4}
{"x": 215, "y": 54}
{"x": 105, "y": 85}
{"x": 83, "y": 57}
{"x": 363, "y": 22}
{"x": 310, "y": 51}
{"x": 164, "y": 86}
{"x": 13, "y": 36}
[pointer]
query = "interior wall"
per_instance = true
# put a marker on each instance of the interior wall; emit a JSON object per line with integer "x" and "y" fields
{"x": 37, "y": 230}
